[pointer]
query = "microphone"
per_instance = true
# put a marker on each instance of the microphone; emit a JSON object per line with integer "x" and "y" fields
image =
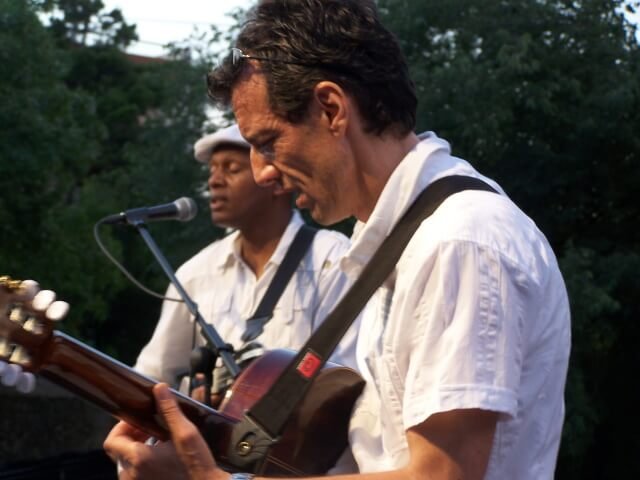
{"x": 183, "y": 210}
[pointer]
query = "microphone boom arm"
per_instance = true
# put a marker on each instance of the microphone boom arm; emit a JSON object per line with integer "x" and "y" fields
{"x": 209, "y": 332}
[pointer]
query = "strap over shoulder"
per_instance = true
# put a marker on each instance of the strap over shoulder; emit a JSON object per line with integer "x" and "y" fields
{"x": 264, "y": 312}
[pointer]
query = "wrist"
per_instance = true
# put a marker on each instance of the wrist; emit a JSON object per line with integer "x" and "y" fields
{"x": 221, "y": 475}
{"x": 241, "y": 476}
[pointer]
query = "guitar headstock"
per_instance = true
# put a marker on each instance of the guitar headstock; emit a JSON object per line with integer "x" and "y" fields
{"x": 27, "y": 318}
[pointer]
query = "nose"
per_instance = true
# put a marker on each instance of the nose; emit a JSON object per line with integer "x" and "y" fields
{"x": 216, "y": 178}
{"x": 264, "y": 173}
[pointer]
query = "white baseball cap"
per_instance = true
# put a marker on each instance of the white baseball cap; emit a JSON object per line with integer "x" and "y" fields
{"x": 204, "y": 147}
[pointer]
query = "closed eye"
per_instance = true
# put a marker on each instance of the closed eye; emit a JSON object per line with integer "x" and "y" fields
{"x": 266, "y": 148}
{"x": 236, "y": 168}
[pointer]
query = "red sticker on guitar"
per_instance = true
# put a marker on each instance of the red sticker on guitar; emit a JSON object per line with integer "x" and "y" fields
{"x": 309, "y": 365}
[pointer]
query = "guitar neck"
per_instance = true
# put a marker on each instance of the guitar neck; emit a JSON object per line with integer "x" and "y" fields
{"x": 123, "y": 392}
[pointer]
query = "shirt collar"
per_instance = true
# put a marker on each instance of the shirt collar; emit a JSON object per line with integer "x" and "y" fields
{"x": 416, "y": 170}
{"x": 287, "y": 237}
{"x": 232, "y": 246}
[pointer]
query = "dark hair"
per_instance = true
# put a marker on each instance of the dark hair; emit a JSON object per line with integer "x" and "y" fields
{"x": 338, "y": 40}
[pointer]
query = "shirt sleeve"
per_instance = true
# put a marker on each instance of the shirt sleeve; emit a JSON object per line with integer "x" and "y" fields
{"x": 167, "y": 354}
{"x": 466, "y": 347}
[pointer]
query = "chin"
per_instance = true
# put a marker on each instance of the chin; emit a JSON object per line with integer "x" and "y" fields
{"x": 325, "y": 218}
{"x": 220, "y": 221}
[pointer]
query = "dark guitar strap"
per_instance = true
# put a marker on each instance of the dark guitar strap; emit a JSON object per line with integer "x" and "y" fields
{"x": 264, "y": 422}
{"x": 203, "y": 358}
{"x": 291, "y": 260}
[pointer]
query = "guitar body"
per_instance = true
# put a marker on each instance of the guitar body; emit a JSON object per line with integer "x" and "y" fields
{"x": 316, "y": 434}
{"x": 312, "y": 442}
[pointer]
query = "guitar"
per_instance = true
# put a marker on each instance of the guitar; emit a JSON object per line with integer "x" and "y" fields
{"x": 312, "y": 442}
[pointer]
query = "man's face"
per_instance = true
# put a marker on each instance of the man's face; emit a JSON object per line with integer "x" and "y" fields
{"x": 236, "y": 200}
{"x": 302, "y": 158}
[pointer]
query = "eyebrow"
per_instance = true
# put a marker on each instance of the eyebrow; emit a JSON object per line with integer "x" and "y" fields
{"x": 259, "y": 136}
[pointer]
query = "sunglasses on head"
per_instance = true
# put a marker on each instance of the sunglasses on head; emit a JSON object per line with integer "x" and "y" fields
{"x": 237, "y": 56}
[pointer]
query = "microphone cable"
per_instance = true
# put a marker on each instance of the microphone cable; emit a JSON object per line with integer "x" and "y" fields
{"x": 123, "y": 269}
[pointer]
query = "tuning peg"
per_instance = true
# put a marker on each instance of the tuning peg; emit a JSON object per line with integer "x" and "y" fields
{"x": 29, "y": 288}
{"x": 6, "y": 349}
{"x": 20, "y": 356}
{"x": 17, "y": 315}
{"x": 33, "y": 325}
{"x": 57, "y": 310}
{"x": 11, "y": 375}
{"x": 26, "y": 383}
{"x": 43, "y": 299}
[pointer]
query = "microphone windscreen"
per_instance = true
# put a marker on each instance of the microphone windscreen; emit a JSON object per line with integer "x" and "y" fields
{"x": 187, "y": 209}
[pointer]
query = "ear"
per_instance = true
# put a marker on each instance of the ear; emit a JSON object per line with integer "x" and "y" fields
{"x": 334, "y": 106}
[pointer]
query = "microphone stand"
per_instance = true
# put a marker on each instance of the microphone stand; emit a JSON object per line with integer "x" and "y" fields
{"x": 215, "y": 342}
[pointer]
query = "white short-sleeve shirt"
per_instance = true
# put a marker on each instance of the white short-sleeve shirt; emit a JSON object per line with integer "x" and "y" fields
{"x": 474, "y": 316}
{"x": 227, "y": 293}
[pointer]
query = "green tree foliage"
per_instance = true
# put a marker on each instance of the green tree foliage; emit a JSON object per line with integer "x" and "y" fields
{"x": 88, "y": 131}
{"x": 545, "y": 97}
{"x": 48, "y": 134}
{"x": 83, "y": 22}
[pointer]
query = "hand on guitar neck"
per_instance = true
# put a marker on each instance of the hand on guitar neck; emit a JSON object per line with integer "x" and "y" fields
{"x": 313, "y": 439}
{"x": 186, "y": 456}
{"x": 27, "y": 316}
{"x": 18, "y": 299}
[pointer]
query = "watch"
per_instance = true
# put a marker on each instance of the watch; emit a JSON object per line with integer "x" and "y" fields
{"x": 242, "y": 476}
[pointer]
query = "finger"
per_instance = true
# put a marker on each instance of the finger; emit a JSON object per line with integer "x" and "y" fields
{"x": 119, "y": 442}
{"x": 169, "y": 409}
{"x": 43, "y": 299}
{"x": 124, "y": 475}
{"x": 116, "y": 448}
{"x": 216, "y": 399}
{"x": 190, "y": 445}
{"x": 124, "y": 429}
{"x": 198, "y": 394}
